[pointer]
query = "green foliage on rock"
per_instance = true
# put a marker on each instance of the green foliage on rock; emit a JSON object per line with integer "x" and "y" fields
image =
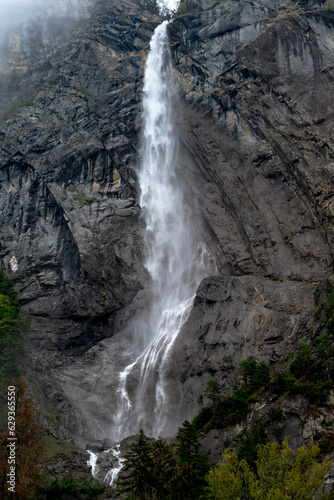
{"x": 85, "y": 200}
{"x": 186, "y": 7}
{"x": 280, "y": 474}
{"x": 227, "y": 410}
{"x": 313, "y": 366}
{"x": 249, "y": 442}
{"x": 7, "y": 289}
{"x": 230, "y": 409}
{"x": 255, "y": 374}
{"x": 9, "y": 328}
{"x": 311, "y": 373}
{"x": 182, "y": 8}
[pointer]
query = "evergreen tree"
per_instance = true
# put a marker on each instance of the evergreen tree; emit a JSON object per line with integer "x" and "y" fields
{"x": 9, "y": 308}
{"x": 212, "y": 392}
{"x": 138, "y": 479}
{"x": 248, "y": 444}
{"x": 164, "y": 467}
{"x": 192, "y": 467}
{"x": 7, "y": 288}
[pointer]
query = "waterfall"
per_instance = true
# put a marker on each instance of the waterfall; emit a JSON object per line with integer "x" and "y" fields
{"x": 112, "y": 476}
{"x": 92, "y": 462}
{"x": 175, "y": 259}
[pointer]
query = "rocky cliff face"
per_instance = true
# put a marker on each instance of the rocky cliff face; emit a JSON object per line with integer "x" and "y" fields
{"x": 254, "y": 110}
{"x": 69, "y": 148}
{"x": 256, "y": 84}
{"x": 31, "y": 30}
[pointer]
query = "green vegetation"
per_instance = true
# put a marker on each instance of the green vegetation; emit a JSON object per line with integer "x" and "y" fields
{"x": 85, "y": 200}
{"x": 83, "y": 91}
{"x": 271, "y": 471}
{"x": 9, "y": 330}
{"x": 311, "y": 373}
{"x": 185, "y": 7}
{"x": 56, "y": 447}
{"x": 233, "y": 408}
{"x": 155, "y": 470}
{"x": 329, "y": 5}
{"x": 67, "y": 486}
{"x": 280, "y": 474}
{"x": 182, "y": 8}
{"x": 29, "y": 451}
{"x": 249, "y": 442}
{"x": 255, "y": 374}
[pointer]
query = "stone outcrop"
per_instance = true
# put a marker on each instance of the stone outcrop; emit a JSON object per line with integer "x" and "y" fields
{"x": 254, "y": 113}
{"x": 256, "y": 86}
{"x": 68, "y": 192}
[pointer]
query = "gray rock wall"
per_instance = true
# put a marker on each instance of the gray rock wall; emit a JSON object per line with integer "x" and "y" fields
{"x": 254, "y": 113}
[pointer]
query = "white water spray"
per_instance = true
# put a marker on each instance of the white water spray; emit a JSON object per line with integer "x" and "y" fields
{"x": 112, "y": 476}
{"x": 92, "y": 462}
{"x": 170, "y": 260}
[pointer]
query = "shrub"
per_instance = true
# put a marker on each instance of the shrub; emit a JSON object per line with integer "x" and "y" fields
{"x": 230, "y": 410}
{"x": 9, "y": 328}
{"x": 280, "y": 474}
{"x": 282, "y": 382}
{"x": 203, "y": 417}
{"x": 255, "y": 374}
{"x": 67, "y": 486}
{"x": 212, "y": 392}
{"x": 182, "y": 8}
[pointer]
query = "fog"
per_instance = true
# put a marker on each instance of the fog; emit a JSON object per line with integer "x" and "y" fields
{"x": 14, "y": 12}
{"x": 30, "y": 28}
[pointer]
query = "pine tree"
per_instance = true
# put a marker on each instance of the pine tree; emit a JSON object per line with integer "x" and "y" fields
{"x": 9, "y": 308}
{"x": 212, "y": 392}
{"x": 164, "y": 467}
{"x": 138, "y": 478}
{"x": 193, "y": 465}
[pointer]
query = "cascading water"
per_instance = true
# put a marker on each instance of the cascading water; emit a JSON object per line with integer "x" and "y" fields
{"x": 92, "y": 462}
{"x": 174, "y": 270}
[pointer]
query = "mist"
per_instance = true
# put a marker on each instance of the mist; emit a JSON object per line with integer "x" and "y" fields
{"x": 29, "y": 29}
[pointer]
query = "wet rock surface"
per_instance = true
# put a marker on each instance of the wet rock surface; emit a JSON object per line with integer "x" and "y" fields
{"x": 254, "y": 113}
{"x": 72, "y": 237}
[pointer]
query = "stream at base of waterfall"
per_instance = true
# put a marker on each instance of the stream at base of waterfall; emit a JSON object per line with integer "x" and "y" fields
{"x": 175, "y": 259}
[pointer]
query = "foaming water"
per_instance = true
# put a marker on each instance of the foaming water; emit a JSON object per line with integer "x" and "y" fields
{"x": 92, "y": 462}
{"x": 112, "y": 476}
{"x": 174, "y": 259}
